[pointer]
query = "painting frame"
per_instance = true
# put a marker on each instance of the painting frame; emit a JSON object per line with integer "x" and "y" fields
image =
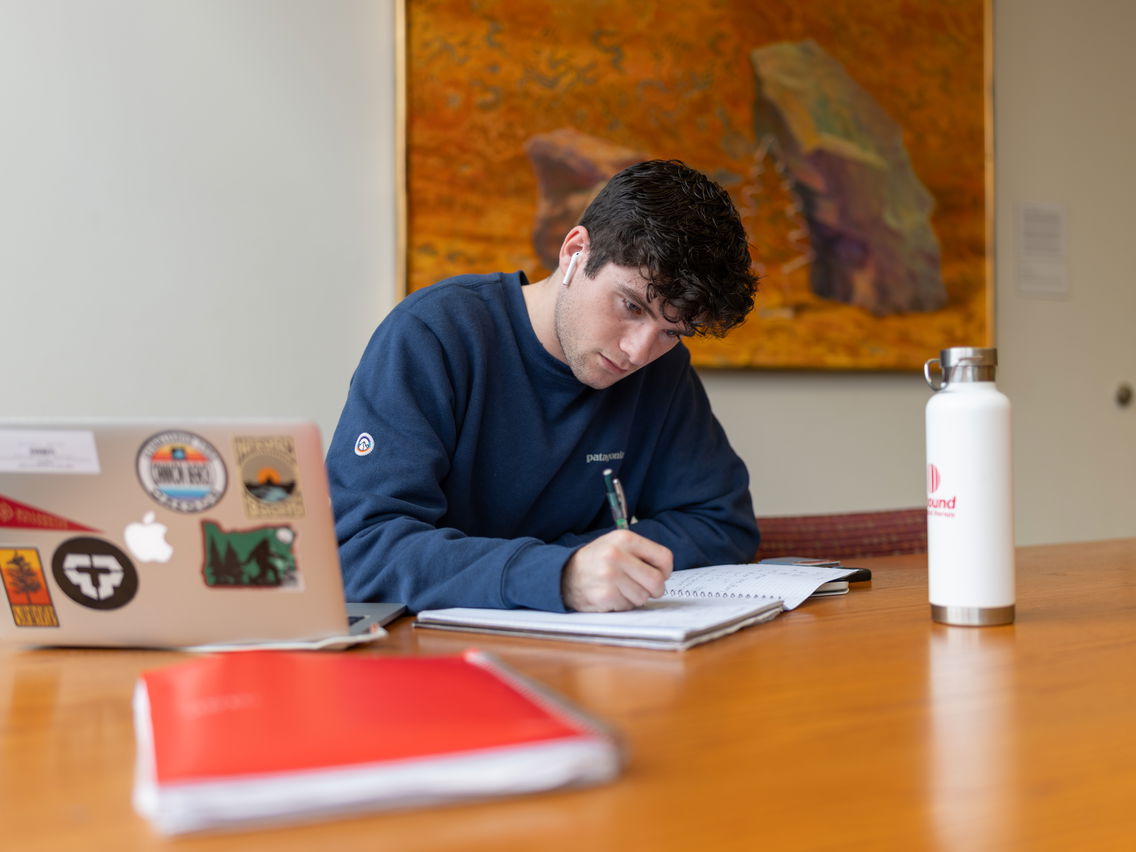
{"x": 790, "y": 329}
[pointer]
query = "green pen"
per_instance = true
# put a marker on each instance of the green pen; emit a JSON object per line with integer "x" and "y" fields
{"x": 615, "y": 499}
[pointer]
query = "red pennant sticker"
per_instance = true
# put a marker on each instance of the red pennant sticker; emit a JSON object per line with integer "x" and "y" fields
{"x": 20, "y": 516}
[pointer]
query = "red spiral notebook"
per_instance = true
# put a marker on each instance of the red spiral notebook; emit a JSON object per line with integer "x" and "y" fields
{"x": 265, "y": 736}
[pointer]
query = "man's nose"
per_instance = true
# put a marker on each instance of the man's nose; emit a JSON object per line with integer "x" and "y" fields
{"x": 639, "y": 345}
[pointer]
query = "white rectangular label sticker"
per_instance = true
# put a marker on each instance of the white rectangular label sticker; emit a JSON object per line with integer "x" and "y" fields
{"x": 48, "y": 451}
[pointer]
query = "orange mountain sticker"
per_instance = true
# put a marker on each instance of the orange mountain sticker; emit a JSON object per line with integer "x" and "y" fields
{"x": 21, "y": 516}
{"x": 26, "y": 587}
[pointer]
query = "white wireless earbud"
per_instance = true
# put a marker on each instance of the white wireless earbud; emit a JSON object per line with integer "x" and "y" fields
{"x": 571, "y": 268}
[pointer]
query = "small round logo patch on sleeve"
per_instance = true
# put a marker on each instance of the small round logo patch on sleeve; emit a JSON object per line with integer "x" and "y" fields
{"x": 364, "y": 444}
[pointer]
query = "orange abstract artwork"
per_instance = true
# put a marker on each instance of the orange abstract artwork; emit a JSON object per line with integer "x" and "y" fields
{"x": 852, "y": 137}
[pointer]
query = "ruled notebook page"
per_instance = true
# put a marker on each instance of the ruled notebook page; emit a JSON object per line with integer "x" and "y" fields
{"x": 788, "y": 583}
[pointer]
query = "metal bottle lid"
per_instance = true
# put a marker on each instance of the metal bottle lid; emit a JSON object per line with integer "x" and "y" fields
{"x": 962, "y": 364}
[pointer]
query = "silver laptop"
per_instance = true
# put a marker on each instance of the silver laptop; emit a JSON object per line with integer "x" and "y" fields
{"x": 169, "y": 534}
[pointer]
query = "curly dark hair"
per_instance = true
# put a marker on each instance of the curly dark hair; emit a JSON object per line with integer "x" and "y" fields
{"x": 681, "y": 229}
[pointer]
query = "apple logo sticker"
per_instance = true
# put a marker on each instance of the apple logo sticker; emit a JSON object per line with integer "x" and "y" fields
{"x": 147, "y": 540}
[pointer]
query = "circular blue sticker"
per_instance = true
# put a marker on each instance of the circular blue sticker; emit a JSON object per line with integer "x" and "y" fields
{"x": 182, "y": 471}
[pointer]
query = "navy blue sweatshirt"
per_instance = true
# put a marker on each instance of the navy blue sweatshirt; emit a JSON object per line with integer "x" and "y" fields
{"x": 467, "y": 465}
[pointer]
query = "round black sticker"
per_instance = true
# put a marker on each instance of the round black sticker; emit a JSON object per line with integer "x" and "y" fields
{"x": 94, "y": 573}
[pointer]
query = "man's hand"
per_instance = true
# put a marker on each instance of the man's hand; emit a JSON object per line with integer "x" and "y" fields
{"x": 619, "y": 570}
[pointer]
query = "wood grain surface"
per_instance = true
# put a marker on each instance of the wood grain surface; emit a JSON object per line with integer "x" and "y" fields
{"x": 852, "y": 722}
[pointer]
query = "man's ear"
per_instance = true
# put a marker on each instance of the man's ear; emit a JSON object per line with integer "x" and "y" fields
{"x": 575, "y": 244}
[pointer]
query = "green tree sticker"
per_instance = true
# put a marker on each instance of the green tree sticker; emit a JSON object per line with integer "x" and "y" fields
{"x": 262, "y": 557}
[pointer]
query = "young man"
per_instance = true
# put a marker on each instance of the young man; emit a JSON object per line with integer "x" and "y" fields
{"x": 467, "y": 467}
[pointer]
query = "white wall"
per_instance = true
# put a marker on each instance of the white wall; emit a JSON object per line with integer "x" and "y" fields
{"x": 196, "y": 204}
{"x": 1066, "y": 135}
{"x": 197, "y": 209}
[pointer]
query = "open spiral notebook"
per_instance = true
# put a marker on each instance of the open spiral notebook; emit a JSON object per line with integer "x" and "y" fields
{"x": 700, "y": 604}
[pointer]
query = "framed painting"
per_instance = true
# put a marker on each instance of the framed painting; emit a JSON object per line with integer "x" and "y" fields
{"x": 853, "y": 137}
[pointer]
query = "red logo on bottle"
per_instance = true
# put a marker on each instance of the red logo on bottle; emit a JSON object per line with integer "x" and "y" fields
{"x": 941, "y": 506}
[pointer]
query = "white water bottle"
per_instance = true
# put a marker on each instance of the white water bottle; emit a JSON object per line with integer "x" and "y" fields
{"x": 970, "y": 516}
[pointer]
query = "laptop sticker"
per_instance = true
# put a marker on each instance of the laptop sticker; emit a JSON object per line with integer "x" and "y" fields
{"x": 16, "y": 515}
{"x": 26, "y": 587}
{"x": 268, "y": 469}
{"x": 146, "y": 540}
{"x": 261, "y": 557}
{"x": 182, "y": 471}
{"x": 94, "y": 573}
{"x": 48, "y": 451}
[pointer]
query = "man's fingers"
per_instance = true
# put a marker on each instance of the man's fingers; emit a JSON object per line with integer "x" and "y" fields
{"x": 619, "y": 570}
{"x": 643, "y": 549}
{"x": 633, "y": 591}
{"x": 647, "y": 577}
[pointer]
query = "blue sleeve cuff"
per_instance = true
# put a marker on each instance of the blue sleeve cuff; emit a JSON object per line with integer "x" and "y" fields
{"x": 532, "y": 577}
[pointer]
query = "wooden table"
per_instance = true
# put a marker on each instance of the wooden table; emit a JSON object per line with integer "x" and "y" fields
{"x": 850, "y": 723}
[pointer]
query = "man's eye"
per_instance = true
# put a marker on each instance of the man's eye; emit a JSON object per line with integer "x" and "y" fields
{"x": 632, "y": 308}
